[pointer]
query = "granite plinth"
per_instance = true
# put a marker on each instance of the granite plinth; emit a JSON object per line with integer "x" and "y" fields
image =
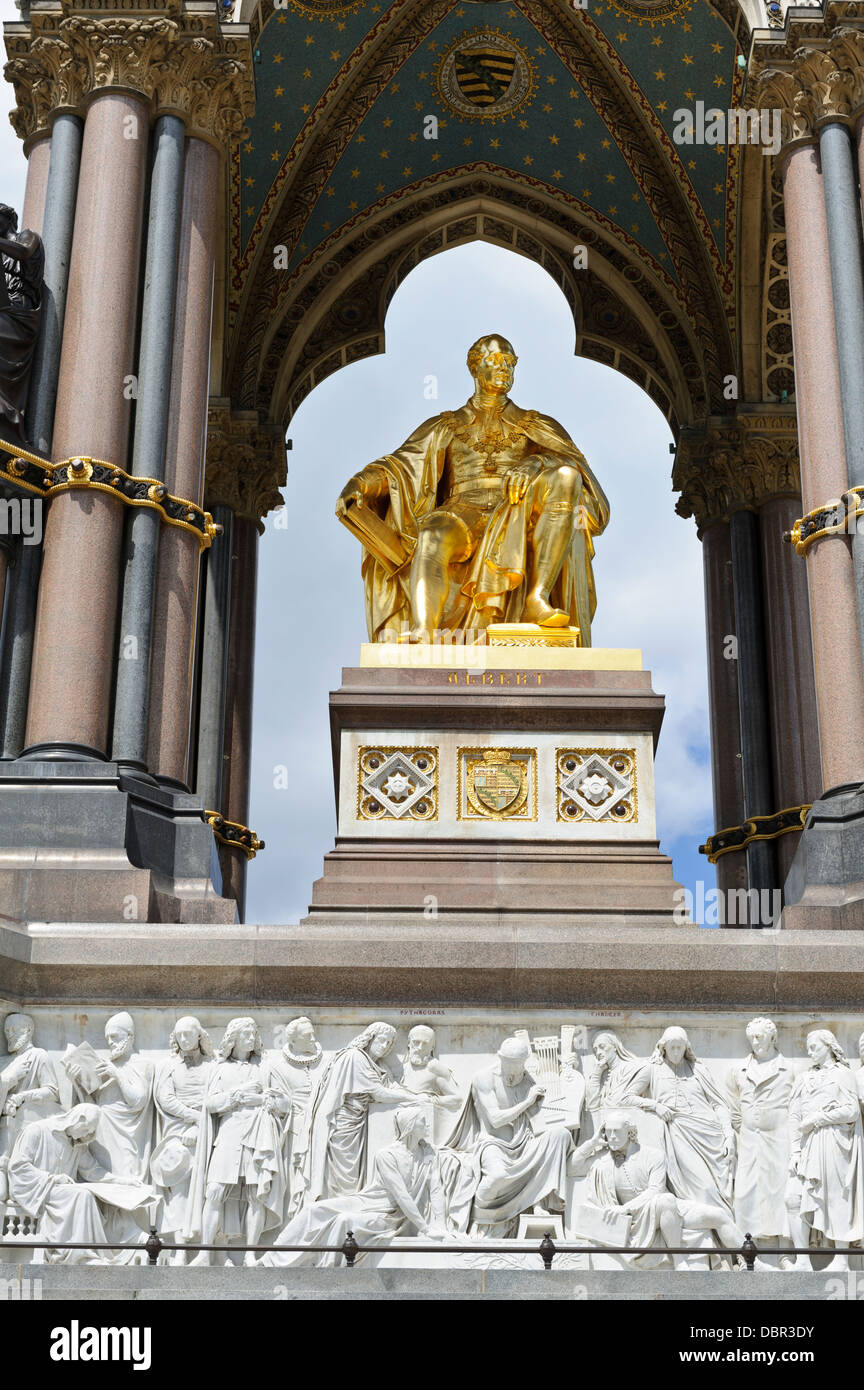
{"x": 85, "y": 841}
{"x": 825, "y": 885}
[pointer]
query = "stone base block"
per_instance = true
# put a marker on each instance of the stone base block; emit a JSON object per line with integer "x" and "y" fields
{"x": 147, "y": 1284}
{"x": 825, "y": 885}
{"x": 86, "y": 842}
{"x": 565, "y": 884}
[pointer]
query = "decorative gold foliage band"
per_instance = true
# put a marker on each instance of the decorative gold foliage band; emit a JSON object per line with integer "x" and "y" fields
{"x": 758, "y": 828}
{"x": 233, "y": 834}
{"x": 833, "y": 519}
{"x": 47, "y": 479}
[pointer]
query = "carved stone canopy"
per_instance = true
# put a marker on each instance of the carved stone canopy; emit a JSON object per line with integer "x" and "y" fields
{"x": 736, "y": 463}
{"x": 245, "y": 462}
{"x": 177, "y": 56}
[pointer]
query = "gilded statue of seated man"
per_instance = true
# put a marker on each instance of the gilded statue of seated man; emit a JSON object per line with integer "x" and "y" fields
{"x": 485, "y": 515}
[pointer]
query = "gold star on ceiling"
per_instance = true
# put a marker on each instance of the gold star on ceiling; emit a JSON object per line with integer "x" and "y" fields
{"x": 687, "y": 59}
{"x": 385, "y": 154}
{"x": 353, "y": 205}
{"x": 249, "y": 211}
{"x": 379, "y": 188}
{"x": 716, "y": 48}
{"x": 250, "y": 182}
{"x": 279, "y": 91}
{"x": 406, "y": 172}
{"x": 718, "y": 81}
{"x": 387, "y": 122}
{"x": 277, "y": 57}
{"x": 660, "y": 75}
{"x": 553, "y": 139}
{"x": 336, "y": 55}
{"x": 605, "y": 144}
{"x": 355, "y": 173}
{"x": 528, "y": 159}
{"x": 277, "y": 125}
{"x": 275, "y": 155}
{"x": 326, "y": 226}
{"x": 556, "y": 174}
{"x": 308, "y": 40}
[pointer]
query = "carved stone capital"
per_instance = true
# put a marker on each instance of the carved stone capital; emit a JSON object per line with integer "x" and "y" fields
{"x": 780, "y": 90}
{"x": 809, "y": 83}
{"x": 245, "y": 462}
{"x": 178, "y": 57}
{"x": 736, "y": 463}
{"x": 207, "y": 79}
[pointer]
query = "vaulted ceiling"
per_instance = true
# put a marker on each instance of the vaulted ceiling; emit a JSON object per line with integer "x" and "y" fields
{"x": 388, "y": 131}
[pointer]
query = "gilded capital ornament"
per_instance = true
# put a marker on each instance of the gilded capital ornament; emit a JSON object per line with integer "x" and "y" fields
{"x": 829, "y": 87}
{"x": 777, "y": 89}
{"x": 736, "y": 464}
{"x": 245, "y": 463}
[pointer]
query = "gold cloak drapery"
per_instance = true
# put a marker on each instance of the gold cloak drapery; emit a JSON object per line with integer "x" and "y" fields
{"x": 490, "y": 586}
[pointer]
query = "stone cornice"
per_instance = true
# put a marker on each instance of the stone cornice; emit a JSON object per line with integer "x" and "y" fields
{"x": 177, "y": 57}
{"x": 736, "y": 463}
{"x": 245, "y": 462}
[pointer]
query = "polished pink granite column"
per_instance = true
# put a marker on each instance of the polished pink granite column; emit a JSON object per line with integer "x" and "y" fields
{"x": 833, "y": 616}
{"x": 70, "y": 687}
{"x": 237, "y": 747}
{"x": 33, "y": 207}
{"x": 794, "y": 718}
{"x": 178, "y": 566}
{"x": 726, "y": 767}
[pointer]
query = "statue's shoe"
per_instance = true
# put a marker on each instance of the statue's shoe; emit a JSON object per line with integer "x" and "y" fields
{"x": 544, "y": 615}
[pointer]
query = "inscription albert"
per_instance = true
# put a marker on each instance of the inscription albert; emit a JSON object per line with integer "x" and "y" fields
{"x": 495, "y": 678}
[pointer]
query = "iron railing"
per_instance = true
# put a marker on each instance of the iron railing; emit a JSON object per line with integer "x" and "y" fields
{"x": 547, "y": 1249}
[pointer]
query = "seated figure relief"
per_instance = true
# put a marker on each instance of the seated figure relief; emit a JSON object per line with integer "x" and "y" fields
{"x": 421, "y": 1133}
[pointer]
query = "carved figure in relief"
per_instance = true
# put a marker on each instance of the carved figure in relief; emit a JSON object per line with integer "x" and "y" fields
{"x": 406, "y": 1197}
{"x": 424, "y": 1075}
{"x": 761, "y": 1089}
{"x": 28, "y": 1085}
{"x": 486, "y": 514}
{"x": 698, "y": 1134}
{"x": 859, "y": 1075}
{"x": 123, "y": 1092}
{"x": 826, "y": 1188}
{"x": 618, "y": 1076}
{"x": 515, "y": 1170}
{"x": 49, "y": 1172}
{"x": 238, "y": 1181}
{"x": 179, "y": 1094}
{"x": 294, "y": 1074}
{"x": 629, "y": 1184}
{"x": 353, "y": 1080}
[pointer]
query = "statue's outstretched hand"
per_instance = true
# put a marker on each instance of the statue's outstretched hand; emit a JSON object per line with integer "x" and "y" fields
{"x": 352, "y": 492}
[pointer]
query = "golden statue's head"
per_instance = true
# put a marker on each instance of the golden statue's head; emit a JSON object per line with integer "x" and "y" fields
{"x": 491, "y": 361}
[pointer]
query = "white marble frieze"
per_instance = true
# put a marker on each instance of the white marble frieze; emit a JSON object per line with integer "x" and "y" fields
{"x": 292, "y": 1129}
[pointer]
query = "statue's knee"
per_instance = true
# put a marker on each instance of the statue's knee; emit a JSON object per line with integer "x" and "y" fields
{"x": 567, "y": 480}
{"x": 666, "y": 1202}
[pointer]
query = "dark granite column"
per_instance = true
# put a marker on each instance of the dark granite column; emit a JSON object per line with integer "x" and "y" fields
{"x": 237, "y": 744}
{"x": 216, "y": 628}
{"x": 753, "y": 697}
{"x": 72, "y": 670}
{"x": 178, "y": 567}
{"x": 726, "y": 765}
{"x": 49, "y": 208}
{"x": 789, "y": 652}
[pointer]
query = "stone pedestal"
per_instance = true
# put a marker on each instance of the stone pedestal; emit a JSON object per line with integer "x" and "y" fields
{"x": 489, "y": 783}
{"x": 86, "y": 842}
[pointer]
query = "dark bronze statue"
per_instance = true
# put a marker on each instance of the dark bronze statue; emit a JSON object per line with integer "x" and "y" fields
{"x": 22, "y": 259}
